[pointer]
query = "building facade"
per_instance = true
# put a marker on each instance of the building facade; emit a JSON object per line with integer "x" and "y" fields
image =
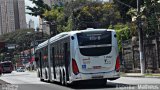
{"x": 31, "y": 24}
{"x": 7, "y": 16}
{"x": 12, "y": 15}
{"x": 21, "y": 12}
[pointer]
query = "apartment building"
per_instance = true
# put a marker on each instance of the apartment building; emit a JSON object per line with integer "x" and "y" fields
{"x": 7, "y": 16}
{"x": 31, "y": 24}
{"x": 21, "y": 12}
{"x": 12, "y": 15}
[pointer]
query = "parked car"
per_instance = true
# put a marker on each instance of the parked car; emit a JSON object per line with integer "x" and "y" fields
{"x": 20, "y": 69}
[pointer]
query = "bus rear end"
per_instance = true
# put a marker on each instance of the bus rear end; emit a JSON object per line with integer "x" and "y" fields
{"x": 96, "y": 56}
{"x": 7, "y": 67}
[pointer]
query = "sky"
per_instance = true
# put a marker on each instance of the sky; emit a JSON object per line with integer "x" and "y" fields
{"x": 28, "y": 17}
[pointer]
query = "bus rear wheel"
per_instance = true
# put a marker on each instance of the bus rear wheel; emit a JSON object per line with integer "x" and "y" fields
{"x": 46, "y": 75}
{"x": 61, "y": 79}
{"x": 38, "y": 74}
{"x": 41, "y": 79}
{"x": 103, "y": 82}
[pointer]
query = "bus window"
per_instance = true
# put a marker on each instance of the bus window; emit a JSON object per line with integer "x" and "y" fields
{"x": 7, "y": 67}
{"x": 95, "y": 43}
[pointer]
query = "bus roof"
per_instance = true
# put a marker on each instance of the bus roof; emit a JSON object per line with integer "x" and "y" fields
{"x": 64, "y": 34}
{"x": 59, "y": 36}
{"x": 43, "y": 44}
{"x": 90, "y": 29}
{"x": 6, "y": 62}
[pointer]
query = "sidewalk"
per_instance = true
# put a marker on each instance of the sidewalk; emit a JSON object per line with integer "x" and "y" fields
{"x": 3, "y": 82}
{"x": 141, "y": 75}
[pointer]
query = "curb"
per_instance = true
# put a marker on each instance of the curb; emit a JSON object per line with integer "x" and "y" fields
{"x": 3, "y": 82}
{"x": 152, "y": 76}
{"x": 132, "y": 76}
{"x": 141, "y": 76}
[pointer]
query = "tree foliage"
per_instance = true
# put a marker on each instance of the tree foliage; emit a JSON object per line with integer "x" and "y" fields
{"x": 22, "y": 38}
{"x": 152, "y": 13}
{"x": 124, "y": 32}
{"x": 82, "y": 14}
{"x": 149, "y": 14}
{"x": 125, "y": 5}
{"x": 39, "y": 8}
{"x": 96, "y": 15}
{"x": 89, "y": 15}
{"x": 56, "y": 13}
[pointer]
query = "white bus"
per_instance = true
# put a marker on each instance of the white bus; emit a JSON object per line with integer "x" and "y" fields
{"x": 85, "y": 55}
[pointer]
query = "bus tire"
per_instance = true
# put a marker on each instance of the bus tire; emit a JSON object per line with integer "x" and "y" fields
{"x": 38, "y": 74}
{"x": 41, "y": 79}
{"x": 103, "y": 82}
{"x": 46, "y": 75}
{"x": 61, "y": 78}
{"x": 64, "y": 78}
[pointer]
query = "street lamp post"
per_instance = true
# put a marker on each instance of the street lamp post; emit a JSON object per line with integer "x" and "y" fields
{"x": 52, "y": 24}
{"x": 41, "y": 30}
{"x": 142, "y": 62}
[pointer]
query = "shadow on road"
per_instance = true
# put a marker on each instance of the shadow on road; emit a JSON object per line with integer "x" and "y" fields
{"x": 97, "y": 86}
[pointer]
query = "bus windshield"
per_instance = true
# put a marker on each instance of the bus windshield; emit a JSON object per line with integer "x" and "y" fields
{"x": 6, "y": 64}
{"x": 95, "y": 43}
{"x": 94, "y": 38}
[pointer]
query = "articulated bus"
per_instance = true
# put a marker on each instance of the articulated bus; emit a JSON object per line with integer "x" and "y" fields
{"x": 75, "y": 56}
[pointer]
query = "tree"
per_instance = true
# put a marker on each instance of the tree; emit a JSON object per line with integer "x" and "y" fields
{"x": 151, "y": 11}
{"x": 124, "y": 6}
{"x": 22, "y": 38}
{"x": 124, "y": 32}
{"x": 96, "y": 15}
{"x": 149, "y": 16}
{"x": 39, "y": 8}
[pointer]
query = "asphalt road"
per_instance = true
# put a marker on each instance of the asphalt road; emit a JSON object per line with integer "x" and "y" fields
{"x": 29, "y": 81}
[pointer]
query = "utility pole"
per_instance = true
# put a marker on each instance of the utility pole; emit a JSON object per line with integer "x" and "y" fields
{"x": 142, "y": 63}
